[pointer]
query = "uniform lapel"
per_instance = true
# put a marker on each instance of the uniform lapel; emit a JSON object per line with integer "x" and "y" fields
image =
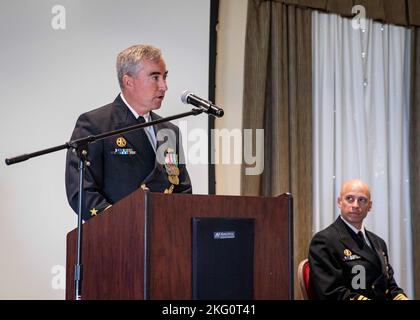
{"x": 125, "y": 118}
{"x": 159, "y": 169}
{"x": 348, "y": 238}
{"x": 168, "y": 139}
{"x": 157, "y": 128}
{"x": 379, "y": 252}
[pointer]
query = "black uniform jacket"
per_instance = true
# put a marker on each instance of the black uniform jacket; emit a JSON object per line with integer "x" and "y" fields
{"x": 342, "y": 267}
{"x": 117, "y": 163}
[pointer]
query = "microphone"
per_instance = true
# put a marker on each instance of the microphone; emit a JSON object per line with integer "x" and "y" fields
{"x": 188, "y": 97}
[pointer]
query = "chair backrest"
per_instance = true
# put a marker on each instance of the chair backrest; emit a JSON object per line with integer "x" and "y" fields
{"x": 303, "y": 278}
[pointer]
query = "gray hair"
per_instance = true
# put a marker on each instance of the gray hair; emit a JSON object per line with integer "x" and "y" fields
{"x": 129, "y": 60}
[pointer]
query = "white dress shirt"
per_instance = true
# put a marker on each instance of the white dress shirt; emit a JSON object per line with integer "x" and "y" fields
{"x": 356, "y": 230}
{"x": 150, "y": 132}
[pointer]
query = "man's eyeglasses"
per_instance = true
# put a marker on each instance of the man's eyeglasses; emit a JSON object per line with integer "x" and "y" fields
{"x": 361, "y": 200}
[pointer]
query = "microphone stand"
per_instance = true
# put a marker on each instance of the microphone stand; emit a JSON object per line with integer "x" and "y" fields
{"x": 80, "y": 148}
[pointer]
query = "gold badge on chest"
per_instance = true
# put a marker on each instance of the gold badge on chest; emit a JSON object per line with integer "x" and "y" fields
{"x": 121, "y": 142}
{"x": 347, "y": 252}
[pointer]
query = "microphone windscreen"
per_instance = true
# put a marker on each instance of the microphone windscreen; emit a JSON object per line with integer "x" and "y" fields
{"x": 184, "y": 96}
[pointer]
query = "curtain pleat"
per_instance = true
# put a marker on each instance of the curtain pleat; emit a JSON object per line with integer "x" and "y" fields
{"x": 415, "y": 155}
{"x": 399, "y": 12}
{"x": 255, "y": 69}
{"x": 278, "y": 99}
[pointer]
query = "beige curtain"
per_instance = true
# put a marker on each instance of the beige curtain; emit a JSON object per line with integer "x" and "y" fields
{"x": 278, "y": 99}
{"x": 415, "y": 156}
{"x": 399, "y": 12}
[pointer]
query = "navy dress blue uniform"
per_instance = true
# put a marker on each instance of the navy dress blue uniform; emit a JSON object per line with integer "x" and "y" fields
{"x": 122, "y": 163}
{"x": 338, "y": 260}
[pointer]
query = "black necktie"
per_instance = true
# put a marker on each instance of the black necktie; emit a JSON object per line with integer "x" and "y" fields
{"x": 141, "y": 119}
{"x": 362, "y": 239}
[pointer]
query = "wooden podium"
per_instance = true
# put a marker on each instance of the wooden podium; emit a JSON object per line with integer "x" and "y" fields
{"x": 141, "y": 248}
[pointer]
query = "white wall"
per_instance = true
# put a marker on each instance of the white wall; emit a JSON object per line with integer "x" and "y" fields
{"x": 229, "y": 80}
{"x": 48, "y": 77}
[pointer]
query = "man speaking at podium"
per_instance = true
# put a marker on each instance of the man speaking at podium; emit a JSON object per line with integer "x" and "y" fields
{"x": 150, "y": 158}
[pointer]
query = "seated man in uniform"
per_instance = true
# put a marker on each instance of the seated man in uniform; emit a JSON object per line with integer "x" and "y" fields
{"x": 348, "y": 262}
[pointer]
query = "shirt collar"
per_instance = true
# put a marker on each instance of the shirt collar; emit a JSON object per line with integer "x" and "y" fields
{"x": 146, "y": 116}
{"x": 353, "y": 227}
